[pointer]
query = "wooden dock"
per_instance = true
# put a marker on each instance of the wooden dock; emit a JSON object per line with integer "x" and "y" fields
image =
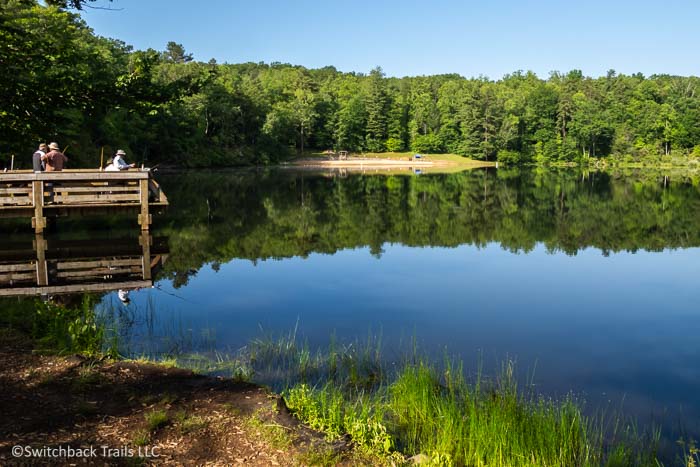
{"x": 50, "y": 194}
{"x": 55, "y": 267}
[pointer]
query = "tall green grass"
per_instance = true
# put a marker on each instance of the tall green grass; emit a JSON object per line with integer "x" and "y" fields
{"x": 58, "y": 328}
{"x": 419, "y": 407}
{"x": 438, "y": 414}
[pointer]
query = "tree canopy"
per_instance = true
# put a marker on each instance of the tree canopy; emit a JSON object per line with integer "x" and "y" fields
{"x": 59, "y": 81}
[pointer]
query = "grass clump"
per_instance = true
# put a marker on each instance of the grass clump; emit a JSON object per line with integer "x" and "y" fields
{"x": 274, "y": 434}
{"x": 59, "y": 329}
{"x": 485, "y": 425}
{"x": 329, "y": 411}
{"x": 156, "y": 419}
{"x": 142, "y": 437}
{"x": 441, "y": 418}
{"x": 187, "y": 423}
{"x": 322, "y": 456}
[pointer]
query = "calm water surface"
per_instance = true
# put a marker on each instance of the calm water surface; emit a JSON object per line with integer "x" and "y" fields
{"x": 588, "y": 281}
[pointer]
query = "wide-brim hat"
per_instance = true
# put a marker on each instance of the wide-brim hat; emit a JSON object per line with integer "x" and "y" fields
{"x": 120, "y": 152}
{"x": 54, "y": 146}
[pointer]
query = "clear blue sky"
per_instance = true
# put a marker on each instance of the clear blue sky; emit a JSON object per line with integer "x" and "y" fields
{"x": 472, "y": 38}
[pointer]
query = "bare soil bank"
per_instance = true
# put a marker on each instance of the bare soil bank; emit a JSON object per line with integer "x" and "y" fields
{"x": 133, "y": 413}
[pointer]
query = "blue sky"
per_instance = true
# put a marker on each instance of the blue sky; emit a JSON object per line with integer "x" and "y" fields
{"x": 489, "y": 38}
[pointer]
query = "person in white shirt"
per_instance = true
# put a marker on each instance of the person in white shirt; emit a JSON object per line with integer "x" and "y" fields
{"x": 124, "y": 296}
{"x": 37, "y": 158}
{"x": 119, "y": 161}
{"x": 110, "y": 166}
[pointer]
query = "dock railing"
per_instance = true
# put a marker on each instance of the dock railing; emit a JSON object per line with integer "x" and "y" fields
{"x": 42, "y": 194}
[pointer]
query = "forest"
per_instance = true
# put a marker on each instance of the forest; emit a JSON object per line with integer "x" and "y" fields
{"x": 61, "y": 82}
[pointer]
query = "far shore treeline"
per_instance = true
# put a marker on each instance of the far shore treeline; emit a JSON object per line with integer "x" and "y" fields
{"x": 58, "y": 81}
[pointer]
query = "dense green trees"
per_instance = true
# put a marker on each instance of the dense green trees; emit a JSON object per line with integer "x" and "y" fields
{"x": 58, "y": 81}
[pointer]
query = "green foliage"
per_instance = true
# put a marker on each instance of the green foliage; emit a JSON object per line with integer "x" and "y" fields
{"x": 394, "y": 145}
{"x": 156, "y": 419}
{"x": 63, "y": 83}
{"x": 328, "y": 410}
{"x": 427, "y": 144}
{"x": 141, "y": 437}
{"x": 437, "y": 412}
{"x": 187, "y": 423}
{"x": 508, "y": 157}
{"x": 68, "y": 329}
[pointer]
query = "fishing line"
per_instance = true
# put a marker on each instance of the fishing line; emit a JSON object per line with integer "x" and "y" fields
{"x": 157, "y": 287}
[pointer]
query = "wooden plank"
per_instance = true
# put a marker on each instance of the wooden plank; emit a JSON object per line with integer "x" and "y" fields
{"x": 18, "y": 267}
{"x": 20, "y": 276}
{"x": 96, "y": 189}
{"x": 70, "y": 176}
{"x": 16, "y": 201}
{"x": 28, "y": 209}
{"x": 98, "y": 272}
{"x": 98, "y": 264}
{"x": 60, "y": 289}
{"x": 6, "y": 191}
{"x": 29, "y": 171}
{"x": 115, "y": 206}
{"x": 95, "y": 198}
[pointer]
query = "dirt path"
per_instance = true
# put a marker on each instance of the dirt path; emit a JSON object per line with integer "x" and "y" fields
{"x": 144, "y": 414}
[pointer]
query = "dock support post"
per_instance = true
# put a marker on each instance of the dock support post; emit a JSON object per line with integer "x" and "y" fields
{"x": 38, "y": 221}
{"x": 144, "y": 217}
{"x": 42, "y": 274}
{"x": 145, "y": 241}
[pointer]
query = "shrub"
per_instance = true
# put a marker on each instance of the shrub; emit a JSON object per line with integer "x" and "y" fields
{"x": 427, "y": 143}
{"x": 508, "y": 157}
{"x": 394, "y": 145}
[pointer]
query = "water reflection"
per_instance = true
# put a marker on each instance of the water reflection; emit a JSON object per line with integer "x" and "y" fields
{"x": 50, "y": 267}
{"x": 219, "y": 216}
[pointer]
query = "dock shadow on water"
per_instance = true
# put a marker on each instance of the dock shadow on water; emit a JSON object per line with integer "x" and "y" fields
{"x": 276, "y": 277}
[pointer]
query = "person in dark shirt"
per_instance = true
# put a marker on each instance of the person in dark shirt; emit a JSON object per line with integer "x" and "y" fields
{"x": 37, "y": 162}
{"x": 55, "y": 160}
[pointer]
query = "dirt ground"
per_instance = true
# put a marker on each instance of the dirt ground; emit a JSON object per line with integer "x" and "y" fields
{"x": 133, "y": 414}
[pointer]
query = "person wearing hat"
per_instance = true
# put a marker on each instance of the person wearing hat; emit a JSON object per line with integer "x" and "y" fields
{"x": 119, "y": 161}
{"x": 55, "y": 160}
{"x": 37, "y": 162}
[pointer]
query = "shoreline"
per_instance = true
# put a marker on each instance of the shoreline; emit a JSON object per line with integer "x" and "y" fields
{"x": 126, "y": 412}
{"x": 387, "y": 164}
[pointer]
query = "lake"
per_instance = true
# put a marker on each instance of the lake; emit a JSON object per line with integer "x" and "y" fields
{"x": 588, "y": 280}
